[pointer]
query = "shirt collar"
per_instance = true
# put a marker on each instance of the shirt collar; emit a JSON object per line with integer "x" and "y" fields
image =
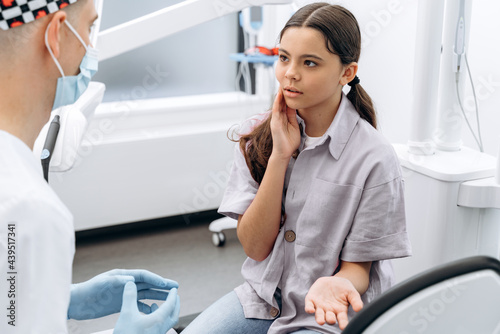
{"x": 340, "y": 129}
{"x": 22, "y": 150}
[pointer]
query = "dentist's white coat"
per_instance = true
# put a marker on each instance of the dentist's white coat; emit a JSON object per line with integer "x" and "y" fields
{"x": 44, "y": 249}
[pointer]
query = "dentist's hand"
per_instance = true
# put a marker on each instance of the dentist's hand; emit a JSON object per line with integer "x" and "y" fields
{"x": 159, "y": 321}
{"x": 102, "y": 295}
{"x": 284, "y": 128}
{"x": 329, "y": 299}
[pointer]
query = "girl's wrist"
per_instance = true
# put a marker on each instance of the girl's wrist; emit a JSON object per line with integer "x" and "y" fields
{"x": 279, "y": 158}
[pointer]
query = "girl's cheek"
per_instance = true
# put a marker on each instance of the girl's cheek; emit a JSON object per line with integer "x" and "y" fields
{"x": 279, "y": 72}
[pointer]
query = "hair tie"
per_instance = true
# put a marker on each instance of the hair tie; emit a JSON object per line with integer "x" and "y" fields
{"x": 354, "y": 81}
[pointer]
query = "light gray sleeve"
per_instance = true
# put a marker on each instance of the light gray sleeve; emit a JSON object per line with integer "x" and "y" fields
{"x": 241, "y": 188}
{"x": 378, "y": 231}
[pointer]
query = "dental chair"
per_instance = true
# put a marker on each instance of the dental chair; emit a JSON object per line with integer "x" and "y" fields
{"x": 460, "y": 297}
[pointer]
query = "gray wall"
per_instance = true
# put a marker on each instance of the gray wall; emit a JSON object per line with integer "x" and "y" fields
{"x": 195, "y": 61}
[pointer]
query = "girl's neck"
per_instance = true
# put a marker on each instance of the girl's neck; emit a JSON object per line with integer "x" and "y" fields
{"x": 318, "y": 118}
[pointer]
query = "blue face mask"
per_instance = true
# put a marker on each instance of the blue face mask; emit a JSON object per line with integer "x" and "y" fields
{"x": 70, "y": 88}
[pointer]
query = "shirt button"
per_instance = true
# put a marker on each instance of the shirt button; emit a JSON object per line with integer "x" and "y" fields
{"x": 274, "y": 312}
{"x": 290, "y": 236}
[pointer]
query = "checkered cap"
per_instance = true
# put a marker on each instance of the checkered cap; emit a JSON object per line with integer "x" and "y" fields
{"x": 14, "y": 13}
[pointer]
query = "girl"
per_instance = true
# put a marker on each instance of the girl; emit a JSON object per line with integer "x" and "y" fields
{"x": 317, "y": 192}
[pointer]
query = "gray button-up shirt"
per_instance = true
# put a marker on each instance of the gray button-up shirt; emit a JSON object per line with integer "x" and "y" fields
{"x": 343, "y": 199}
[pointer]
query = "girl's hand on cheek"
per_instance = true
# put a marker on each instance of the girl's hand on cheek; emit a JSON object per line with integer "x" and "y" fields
{"x": 284, "y": 128}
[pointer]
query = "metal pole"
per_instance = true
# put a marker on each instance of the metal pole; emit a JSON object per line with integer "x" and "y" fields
{"x": 426, "y": 76}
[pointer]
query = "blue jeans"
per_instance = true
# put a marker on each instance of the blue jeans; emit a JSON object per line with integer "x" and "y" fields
{"x": 226, "y": 316}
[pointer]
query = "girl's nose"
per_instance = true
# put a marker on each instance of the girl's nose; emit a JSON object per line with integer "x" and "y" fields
{"x": 292, "y": 73}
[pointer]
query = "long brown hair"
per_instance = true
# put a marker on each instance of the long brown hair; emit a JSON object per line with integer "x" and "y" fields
{"x": 342, "y": 38}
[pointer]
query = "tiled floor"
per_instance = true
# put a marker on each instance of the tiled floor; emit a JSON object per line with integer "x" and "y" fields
{"x": 171, "y": 249}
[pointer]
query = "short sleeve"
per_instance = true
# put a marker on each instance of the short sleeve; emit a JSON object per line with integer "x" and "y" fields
{"x": 241, "y": 188}
{"x": 379, "y": 231}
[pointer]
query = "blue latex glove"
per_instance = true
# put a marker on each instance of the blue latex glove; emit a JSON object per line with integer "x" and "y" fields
{"x": 102, "y": 295}
{"x": 159, "y": 321}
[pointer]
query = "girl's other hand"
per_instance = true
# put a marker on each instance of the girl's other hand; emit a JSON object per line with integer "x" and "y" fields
{"x": 329, "y": 299}
{"x": 284, "y": 128}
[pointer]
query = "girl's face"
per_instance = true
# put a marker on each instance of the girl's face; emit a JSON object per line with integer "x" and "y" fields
{"x": 309, "y": 75}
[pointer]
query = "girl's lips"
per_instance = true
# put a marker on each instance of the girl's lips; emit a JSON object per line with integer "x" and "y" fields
{"x": 291, "y": 91}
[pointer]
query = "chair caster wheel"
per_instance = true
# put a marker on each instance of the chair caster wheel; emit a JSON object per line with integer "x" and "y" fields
{"x": 218, "y": 239}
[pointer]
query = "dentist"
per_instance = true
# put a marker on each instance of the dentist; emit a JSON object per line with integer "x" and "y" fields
{"x": 46, "y": 61}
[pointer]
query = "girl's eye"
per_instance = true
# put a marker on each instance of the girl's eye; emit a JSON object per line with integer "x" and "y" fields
{"x": 283, "y": 58}
{"x": 310, "y": 63}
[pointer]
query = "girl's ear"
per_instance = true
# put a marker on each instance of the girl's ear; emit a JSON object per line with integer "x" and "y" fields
{"x": 54, "y": 32}
{"x": 350, "y": 71}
